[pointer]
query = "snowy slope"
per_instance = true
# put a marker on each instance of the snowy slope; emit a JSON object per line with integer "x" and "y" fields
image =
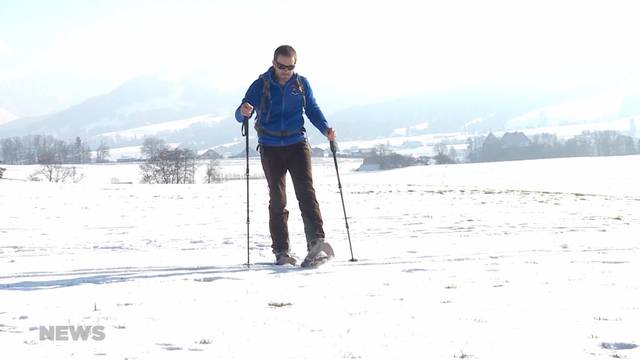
{"x": 163, "y": 127}
{"x": 6, "y": 116}
{"x": 532, "y": 259}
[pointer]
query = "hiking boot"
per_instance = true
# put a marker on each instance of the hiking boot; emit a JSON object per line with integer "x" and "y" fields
{"x": 283, "y": 258}
{"x": 313, "y": 244}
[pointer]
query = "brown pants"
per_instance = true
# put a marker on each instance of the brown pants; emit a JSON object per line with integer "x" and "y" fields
{"x": 296, "y": 159}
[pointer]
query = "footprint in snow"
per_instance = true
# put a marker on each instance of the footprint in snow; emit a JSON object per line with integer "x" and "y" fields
{"x": 414, "y": 270}
{"x": 169, "y": 347}
{"x": 618, "y": 346}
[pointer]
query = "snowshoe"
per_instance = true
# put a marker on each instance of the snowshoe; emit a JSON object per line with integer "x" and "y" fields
{"x": 319, "y": 253}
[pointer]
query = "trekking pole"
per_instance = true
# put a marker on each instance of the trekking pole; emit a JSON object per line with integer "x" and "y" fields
{"x": 245, "y": 133}
{"x": 335, "y": 161}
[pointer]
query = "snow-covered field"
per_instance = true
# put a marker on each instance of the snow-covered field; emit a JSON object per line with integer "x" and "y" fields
{"x": 518, "y": 260}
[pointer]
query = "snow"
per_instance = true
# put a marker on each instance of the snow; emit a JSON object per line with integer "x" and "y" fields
{"x": 163, "y": 127}
{"x": 473, "y": 122}
{"x": 403, "y": 131}
{"x": 532, "y": 259}
{"x": 567, "y": 131}
{"x": 585, "y": 110}
{"x": 129, "y": 152}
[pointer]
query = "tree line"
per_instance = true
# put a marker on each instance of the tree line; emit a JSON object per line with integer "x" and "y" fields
{"x": 161, "y": 163}
{"x": 46, "y": 149}
{"x": 517, "y": 146}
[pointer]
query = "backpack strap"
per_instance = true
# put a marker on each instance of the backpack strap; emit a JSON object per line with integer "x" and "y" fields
{"x": 301, "y": 88}
{"x": 265, "y": 97}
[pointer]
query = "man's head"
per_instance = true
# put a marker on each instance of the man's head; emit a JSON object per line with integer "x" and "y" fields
{"x": 284, "y": 61}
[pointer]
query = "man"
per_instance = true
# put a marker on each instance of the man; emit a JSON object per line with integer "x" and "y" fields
{"x": 280, "y": 96}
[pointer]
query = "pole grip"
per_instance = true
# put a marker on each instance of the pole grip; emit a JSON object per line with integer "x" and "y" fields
{"x": 334, "y": 146}
{"x": 245, "y": 126}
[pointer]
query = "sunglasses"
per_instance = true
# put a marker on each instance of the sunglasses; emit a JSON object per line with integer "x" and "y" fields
{"x": 287, "y": 67}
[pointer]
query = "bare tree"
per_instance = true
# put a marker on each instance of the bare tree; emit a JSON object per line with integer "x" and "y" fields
{"x": 213, "y": 173}
{"x": 382, "y": 149}
{"x": 453, "y": 154}
{"x": 152, "y": 147}
{"x": 57, "y": 173}
{"x": 102, "y": 152}
{"x": 80, "y": 153}
{"x": 176, "y": 166}
{"x": 441, "y": 148}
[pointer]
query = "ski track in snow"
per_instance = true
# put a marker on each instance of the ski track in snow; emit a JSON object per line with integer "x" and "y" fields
{"x": 451, "y": 265}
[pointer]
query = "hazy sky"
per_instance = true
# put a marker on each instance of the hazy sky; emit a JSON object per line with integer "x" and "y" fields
{"x": 71, "y": 49}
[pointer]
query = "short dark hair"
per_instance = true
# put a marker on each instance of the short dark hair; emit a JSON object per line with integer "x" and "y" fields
{"x": 285, "y": 50}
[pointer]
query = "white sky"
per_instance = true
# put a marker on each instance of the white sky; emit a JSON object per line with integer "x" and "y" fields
{"x": 376, "y": 49}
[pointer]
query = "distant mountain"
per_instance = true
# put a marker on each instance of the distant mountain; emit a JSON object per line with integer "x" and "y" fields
{"x": 192, "y": 115}
{"x": 472, "y": 110}
{"x": 6, "y": 116}
{"x": 140, "y": 102}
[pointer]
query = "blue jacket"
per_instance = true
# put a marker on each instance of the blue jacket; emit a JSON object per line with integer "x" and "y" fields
{"x": 284, "y": 113}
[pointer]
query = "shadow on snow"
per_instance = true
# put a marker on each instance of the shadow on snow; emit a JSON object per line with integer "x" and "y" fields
{"x": 117, "y": 275}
